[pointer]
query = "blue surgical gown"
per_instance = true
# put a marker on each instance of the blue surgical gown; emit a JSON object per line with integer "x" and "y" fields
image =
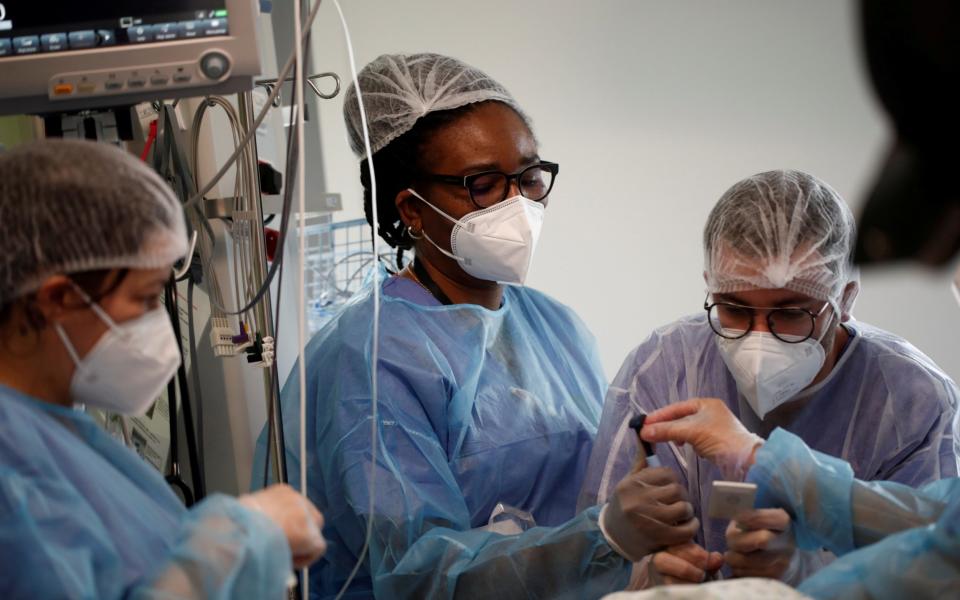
{"x": 476, "y": 408}
{"x": 81, "y": 516}
{"x": 885, "y": 408}
{"x": 908, "y": 538}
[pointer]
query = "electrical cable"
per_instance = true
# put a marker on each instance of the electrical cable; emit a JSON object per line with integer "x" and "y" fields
{"x": 375, "y": 356}
{"x": 196, "y": 469}
{"x": 284, "y": 72}
{"x": 194, "y": 368}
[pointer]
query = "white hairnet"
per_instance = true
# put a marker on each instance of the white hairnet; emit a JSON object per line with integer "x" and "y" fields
{"x": 781, "y": 229}
{"x": 398, "y": 89}
{"x": 72, "y": 206}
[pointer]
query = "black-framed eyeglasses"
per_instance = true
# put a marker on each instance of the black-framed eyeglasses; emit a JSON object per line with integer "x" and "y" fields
{"x": 788, "y": 324}
{"x": 490, "y": 187}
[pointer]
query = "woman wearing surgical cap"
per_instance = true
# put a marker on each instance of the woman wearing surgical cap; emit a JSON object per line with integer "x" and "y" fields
{"x": 90, "y": 235}
{"x": 489, "y": 392}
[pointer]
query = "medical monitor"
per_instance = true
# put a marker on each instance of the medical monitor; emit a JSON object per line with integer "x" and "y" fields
{"x": 66, "y": 55}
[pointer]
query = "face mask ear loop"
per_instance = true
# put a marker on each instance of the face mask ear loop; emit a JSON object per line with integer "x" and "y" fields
{"x": 67, "y": 344}
{"x": 440, "y": 212}
{"x": 96, "y": 308}
{"x": 444, "y": 252}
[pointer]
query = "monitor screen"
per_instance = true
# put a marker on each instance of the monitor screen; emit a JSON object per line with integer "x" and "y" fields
{"x": 33, "y": 26}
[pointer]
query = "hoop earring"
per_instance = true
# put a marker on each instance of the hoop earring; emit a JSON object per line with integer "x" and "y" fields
{"x": 411, "y": 234}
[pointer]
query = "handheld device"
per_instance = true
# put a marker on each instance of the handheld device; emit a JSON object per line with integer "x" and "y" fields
{"x": 730, "y": 498}
{"x": 636, "y": 424}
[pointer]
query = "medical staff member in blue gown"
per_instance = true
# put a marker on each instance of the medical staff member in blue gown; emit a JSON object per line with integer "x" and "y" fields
{"x": 894, "y": 541}
{"x": 489, "y": 394}
{"x": 776, "y": 342}
{"x": 90, "y": 235}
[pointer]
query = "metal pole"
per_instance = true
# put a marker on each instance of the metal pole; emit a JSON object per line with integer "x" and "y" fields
{"x": 263, "y": 309}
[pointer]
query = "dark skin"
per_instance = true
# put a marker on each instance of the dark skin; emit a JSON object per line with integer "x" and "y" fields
{"x": 490, "y": 137}
{"x": 35, "y": 361}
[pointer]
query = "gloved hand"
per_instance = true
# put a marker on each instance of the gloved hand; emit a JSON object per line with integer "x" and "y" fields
{"x": 709, "y": 426}
{"x": 648, "y": 511}
{"x": 686, "y": 563}
{"x": 761, "y": 544}
{"x": 298, "y": 517}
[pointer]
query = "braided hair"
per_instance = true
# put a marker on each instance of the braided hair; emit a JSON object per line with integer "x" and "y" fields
{"x": 397, "y": 165}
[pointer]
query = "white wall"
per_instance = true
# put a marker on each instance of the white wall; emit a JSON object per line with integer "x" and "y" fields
{"x": 653, "y": 109}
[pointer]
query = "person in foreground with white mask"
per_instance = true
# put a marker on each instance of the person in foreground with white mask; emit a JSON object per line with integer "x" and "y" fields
{"x": 90, "y": 236}
{"x": 489, "y": 392}
{"x": 777, "y": 343}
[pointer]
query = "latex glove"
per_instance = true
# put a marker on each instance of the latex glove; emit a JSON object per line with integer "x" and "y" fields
{"x": 709, "y": 426}
{"x": 761, "y": 544}
{"x": 648, "y": 511}
{"x": 298, "y": 517}
{"x": 686, "y": 563}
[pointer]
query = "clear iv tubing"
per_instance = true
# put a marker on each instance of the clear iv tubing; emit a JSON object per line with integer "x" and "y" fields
{"x": 301, "y": 295}
{"x": 375, "y": 350}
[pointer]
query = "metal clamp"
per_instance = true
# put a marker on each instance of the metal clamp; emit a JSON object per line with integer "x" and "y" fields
{"x": 269, "y": 84}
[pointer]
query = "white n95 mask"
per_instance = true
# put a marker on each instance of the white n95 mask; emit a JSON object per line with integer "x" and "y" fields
{"x": 769, "y": 371}
{"x": 128, "y": 367}
{"x": 495, "y": 243}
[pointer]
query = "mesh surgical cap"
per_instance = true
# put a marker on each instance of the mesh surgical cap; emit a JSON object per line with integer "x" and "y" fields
{"x": 398, "y": 89}
{"x": 73, "y": 206}
{"x": 781, "y": 229}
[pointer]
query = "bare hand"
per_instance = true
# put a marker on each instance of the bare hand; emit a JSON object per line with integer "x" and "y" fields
{"x": 686, "y": 563}
{"x": 298, "y": 517}
{"x": 761, "y": 544}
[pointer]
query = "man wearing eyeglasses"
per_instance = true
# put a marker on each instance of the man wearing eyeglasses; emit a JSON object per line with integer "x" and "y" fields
{"x": 777, "y": 342}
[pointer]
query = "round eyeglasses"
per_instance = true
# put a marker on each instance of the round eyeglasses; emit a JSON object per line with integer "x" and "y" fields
{"x": 490, "y": 187}
{"x": 734, "y": 321}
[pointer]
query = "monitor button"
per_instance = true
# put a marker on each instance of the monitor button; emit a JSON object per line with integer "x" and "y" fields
{"x": 26, "y": 44}
{"x": 214, "y": 65}
{"x": 166, "y": 31}
{"x": 87, "y": 88}
{"x": 106, "y": 37}
{"x": 53, "y": 42}
{"x": 6, "y": 48}
{"x": 82, "y": 39}
{"x": 112, "y": 85}
{"x": 141, "y": 34}
{"x": 63, "y": 89}
{"x": 215, "y": 27}
{"x": 159, "y": 80}
{"x": 136, "y": 82}
{"x": 190, "y": 29}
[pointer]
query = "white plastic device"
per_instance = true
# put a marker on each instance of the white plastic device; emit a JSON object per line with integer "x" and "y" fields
{"x": 731, "y": 498}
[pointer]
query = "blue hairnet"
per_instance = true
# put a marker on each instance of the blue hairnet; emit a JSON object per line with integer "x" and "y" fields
{"x": 477, "y": 408}
{"x": 81, "y": 516}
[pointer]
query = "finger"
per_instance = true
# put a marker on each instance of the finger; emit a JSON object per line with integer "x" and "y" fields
{"x": 692, "y": 553}
{"x": 658, "y": 476}
{"x": 682, "y": 533}
{"x": 672, "y": 412}
{"x": 639, "y": 463}
{"x": 752, "y": 541}
{"x": 680, "y": 431}
{"x": 763, "y": 561}
{"x": 714, "y": 562}
{"x": 671, "y": 566}
{"x": 676, "y": 512}
{"x": 775, "y": 519}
